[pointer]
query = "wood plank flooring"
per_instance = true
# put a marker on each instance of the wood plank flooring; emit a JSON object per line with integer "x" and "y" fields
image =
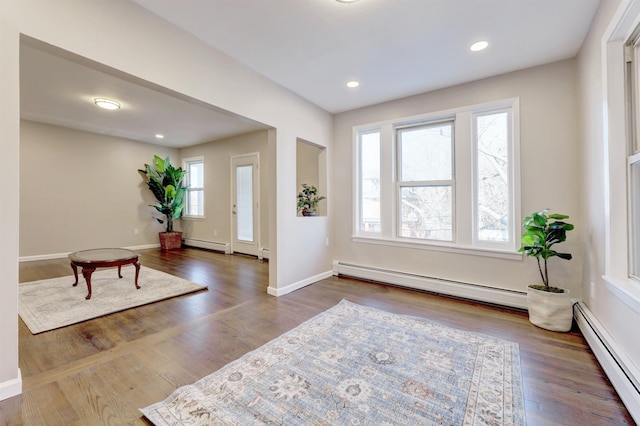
{"x": 101, "y": 371}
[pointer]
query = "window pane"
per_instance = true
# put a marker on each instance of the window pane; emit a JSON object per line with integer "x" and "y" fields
{"x": 370, "y": 182}
{"x": 635, "y": 219}
{"x": 492, "y": 209}
{"x": 426, "y": 152}
{"x": 196, "y": 175}
{"x": 244, "y": 175}
{"x": 195, "y": 191}
{"x": 426, "y": 212}
{"x": 195, "y": 202}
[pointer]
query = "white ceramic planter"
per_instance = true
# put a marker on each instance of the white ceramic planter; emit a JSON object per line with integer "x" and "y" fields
{"x": 551, "y": 311}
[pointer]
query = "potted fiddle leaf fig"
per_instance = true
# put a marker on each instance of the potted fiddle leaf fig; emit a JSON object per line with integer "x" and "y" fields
{"x": 167, "y": 185}
{"x": 549, "y": 306}
{"x": 308, "y": 200}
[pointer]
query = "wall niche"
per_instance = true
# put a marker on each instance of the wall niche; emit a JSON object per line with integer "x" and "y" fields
{"x": 311, "y": 168}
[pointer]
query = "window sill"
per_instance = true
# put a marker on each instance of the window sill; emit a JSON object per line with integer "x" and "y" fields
{"x": 449, "y": 248}
{"x": 193, "y": 217}
{"x": 625, "y": 289}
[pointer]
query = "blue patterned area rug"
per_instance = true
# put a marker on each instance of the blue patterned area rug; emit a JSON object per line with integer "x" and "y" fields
{"x": 357, "y": 365}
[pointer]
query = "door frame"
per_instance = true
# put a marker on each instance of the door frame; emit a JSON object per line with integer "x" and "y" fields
{"x": 253, "y": 158}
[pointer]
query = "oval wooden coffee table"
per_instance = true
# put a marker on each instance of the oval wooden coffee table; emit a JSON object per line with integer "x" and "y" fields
{"x": 90, "y": 260}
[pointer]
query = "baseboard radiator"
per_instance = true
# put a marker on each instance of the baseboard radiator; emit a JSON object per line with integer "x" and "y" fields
{"x": 482, "y": 293}
{"x": 209, "y": 245}
{"x": 622, "y": 372}
{"x": 263, "y": 253}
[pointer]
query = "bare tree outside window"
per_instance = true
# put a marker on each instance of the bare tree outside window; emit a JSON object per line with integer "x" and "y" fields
{"x": 426, "y": 181}
{"x": 492, "y": 165}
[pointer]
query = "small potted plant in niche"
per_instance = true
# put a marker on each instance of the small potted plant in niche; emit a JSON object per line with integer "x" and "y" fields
{"x": 549, "y": 306}
{"x": 308, "y": 200}
{"x": 166, "y": 184}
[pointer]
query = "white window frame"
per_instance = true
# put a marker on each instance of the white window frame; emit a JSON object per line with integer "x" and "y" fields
{"x": 399, "y": 184}
{"x": 463, "y": 184}
{"x": 185, "y": 165}
{"x": 616, "y": 136}
{"x": 513, "y": 176}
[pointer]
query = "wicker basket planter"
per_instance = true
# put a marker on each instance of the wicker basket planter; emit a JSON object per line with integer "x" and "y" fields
{"x": 170, "y": 240}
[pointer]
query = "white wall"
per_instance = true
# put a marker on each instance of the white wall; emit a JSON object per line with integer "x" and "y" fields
{"x": 147, "y": 47}
{"x": 80, "y": 190}
{"x": 617, "y": 318}
{"x": 10, "y": 381}
{"x": 550, "y": 174}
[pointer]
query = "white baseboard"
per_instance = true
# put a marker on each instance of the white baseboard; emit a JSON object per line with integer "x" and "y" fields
{"x": 11, "y": 387}
{"x": 620, "y": 370}
{"x": 298, "y": 285}
{"x": 63, "y": 255}
{"x": 483, "y": 293}
{"x": 209, "y": 245}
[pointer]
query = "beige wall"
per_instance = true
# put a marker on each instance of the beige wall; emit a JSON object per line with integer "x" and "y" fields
{"x": 216, "y": 226}
{"x": 550, "y": 174}
{"x": 82, "y": 190}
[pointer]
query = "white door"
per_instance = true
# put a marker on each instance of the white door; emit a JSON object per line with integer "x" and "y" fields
{"x": 245, "y": 206}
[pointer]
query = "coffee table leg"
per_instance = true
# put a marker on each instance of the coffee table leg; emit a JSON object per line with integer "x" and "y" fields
{"x": 75, "y": 273}
{"x": 86, "y": 272}
{"x": 137, "y": 265}
{"x": 119, "y": 269}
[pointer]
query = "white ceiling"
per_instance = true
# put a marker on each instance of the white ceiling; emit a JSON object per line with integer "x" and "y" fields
{"x": 58, "y": 88}
{"x": 394, "y": 48}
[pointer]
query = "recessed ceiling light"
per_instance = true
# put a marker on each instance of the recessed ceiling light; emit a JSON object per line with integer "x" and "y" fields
{"x": 159, "y": 136}
{"x": 353, "y": 84}
{"x": 106, "y": 103}
{"x": 346, "y": 1}
{"x": 478, "y": 46}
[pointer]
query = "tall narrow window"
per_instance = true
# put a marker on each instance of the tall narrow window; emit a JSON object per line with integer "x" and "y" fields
{"x": 493, "y": 217}
{"x": 425, "y": 181}
{"x": 369, "y": 217}
{"x": 195, "y": 191}
{"x": 632, "y": 56}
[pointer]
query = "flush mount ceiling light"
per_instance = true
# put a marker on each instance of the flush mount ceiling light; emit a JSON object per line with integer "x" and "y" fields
{"x": 346, "y": 1}
{"x": 159, "y": 136}
{"x": 352, "y": 83}
{"x": 478, "y": 46}
{"x": 106, "y": 103}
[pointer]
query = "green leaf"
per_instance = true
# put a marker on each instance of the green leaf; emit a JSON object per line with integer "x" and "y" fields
{"x": 160, "y": 163}
{"x": 170, "y": 191}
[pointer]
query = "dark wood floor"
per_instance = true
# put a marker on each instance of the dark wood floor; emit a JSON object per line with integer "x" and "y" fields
{"x": 101, "y": 371}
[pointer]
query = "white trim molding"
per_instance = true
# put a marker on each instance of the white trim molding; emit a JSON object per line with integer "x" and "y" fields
{"x": 263, "y": 253}
{"x": 281, "y": 291}
{"x": 620, "y": 370}
{"x": 11, "y": 388}
{"x": 479, "y": 292}
{"x": 206, "y": 244}
{"x": 63, "y": 255}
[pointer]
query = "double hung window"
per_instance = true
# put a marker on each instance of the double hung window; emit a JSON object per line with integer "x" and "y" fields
{"x": 632, "y": 60}
{"x": 195, "y": 191}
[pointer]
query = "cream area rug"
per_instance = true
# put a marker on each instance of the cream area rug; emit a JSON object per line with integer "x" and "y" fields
{"x": 48, "y": 304}
{"x": 358, "y": 365}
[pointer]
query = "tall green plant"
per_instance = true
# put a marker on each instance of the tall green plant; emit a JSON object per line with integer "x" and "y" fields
{"x": 541, "y": 232}
{"x": 166, "y": 184}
